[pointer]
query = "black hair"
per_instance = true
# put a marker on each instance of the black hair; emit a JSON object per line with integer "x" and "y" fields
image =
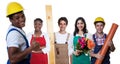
{"x": 64, "y": 19}
{"x": 38, "y": 19}
{"x": 76, "y": 28}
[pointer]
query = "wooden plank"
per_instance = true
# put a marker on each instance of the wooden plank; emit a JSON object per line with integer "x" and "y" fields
{"x": 50, "y": 32}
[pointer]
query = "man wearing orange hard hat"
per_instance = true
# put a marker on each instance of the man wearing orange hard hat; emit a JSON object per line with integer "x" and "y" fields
{"x": 17, "y": 43}
{"x": 99, "y": 38}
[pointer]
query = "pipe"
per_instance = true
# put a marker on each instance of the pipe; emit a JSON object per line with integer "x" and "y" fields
{"x": 107, "y": 40}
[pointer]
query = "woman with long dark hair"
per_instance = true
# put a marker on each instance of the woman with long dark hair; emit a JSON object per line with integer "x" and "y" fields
{"x": 78, "y": 56}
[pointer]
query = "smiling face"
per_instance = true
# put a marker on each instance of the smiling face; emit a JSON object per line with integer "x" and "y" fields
{"x": 37, "y": 25}
{"x": 80, "y": 25}
{"x": 99, "y": 27}
{"x": 18, "y": 20}
{"x": 62, "y": 25}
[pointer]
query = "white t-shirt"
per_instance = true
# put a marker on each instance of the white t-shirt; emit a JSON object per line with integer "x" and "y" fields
{"x": 61, "y": 38}
{"x": 15, "y": 39}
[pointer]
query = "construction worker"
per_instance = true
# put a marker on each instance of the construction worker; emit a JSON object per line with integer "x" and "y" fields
{"x": 99, "y": 38}
{"x": 17, "y": 43}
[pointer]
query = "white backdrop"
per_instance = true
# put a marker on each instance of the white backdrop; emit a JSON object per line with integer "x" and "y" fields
{"x": 72, "y": 9}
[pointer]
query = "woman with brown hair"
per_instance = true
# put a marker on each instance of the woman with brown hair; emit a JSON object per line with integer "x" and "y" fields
{"x": 61, "y": 42}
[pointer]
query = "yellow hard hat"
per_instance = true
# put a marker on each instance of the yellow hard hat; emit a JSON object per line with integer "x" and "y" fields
{"x": 13, "y": 7}
{"x": 99, "y": 19}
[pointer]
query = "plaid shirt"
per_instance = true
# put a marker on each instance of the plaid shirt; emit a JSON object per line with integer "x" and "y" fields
{"x": 100, "y": 40}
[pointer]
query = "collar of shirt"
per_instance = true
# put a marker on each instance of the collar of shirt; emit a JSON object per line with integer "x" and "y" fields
{"x": 102, "y": 36}
{"x": 11, "y": 26}
{"x": 100, "y": 40}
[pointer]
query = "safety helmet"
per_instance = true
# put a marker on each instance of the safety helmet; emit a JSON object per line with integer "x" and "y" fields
{"x": 13, "y": 8}
{"x": 99, "y": 19}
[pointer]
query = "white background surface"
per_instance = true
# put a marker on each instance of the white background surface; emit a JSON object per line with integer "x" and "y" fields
{"x": 72, "y": 9}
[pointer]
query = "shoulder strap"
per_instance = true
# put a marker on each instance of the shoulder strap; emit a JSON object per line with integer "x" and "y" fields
{"x": 54, "y": 38}
{"x": 67, "y": 37}
{"x": 29, "y": 55}
{"x": 20, "y": 33}
{"x": 105, "y": 35}
{"x": 94, "y": 38}
{"x": 85, "y": 35}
